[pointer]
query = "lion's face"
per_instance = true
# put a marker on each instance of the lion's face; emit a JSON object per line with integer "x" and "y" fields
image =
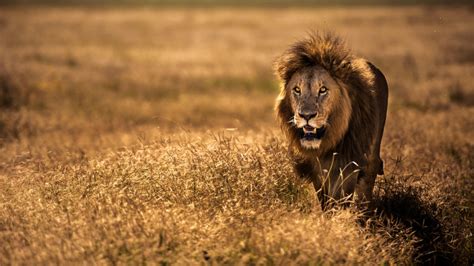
{"x": 320, "y": 107}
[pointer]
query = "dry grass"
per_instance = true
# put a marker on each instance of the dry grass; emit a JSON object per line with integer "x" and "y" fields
{"x": 147, "y": 135}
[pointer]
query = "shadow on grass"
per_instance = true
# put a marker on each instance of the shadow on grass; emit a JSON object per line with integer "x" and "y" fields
{"x": 401, "y": 205}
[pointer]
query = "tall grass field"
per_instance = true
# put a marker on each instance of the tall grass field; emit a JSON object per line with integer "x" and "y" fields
{"x": 147, "y": 135}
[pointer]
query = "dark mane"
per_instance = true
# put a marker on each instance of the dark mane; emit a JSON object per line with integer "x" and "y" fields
{"x": 325, "y": 50}
{"x": 352, "y": 73}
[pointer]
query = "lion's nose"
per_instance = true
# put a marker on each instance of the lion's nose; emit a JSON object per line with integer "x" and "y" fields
{"x": 307, "y": 116}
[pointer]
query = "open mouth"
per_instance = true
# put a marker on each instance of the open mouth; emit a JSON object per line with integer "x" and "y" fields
{"x": 310, "y": 133}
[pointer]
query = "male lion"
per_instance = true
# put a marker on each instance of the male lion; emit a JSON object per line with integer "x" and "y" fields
{"x": 332, "y": 107}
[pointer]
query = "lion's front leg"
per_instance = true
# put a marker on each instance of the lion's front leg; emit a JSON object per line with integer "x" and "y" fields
{"x": 307, "y": 170}
{"x": 304, "y": 169}
{"x": 364, "y": 187}
{"x": 366, "y": 180}
{"x": 322, "y": 195}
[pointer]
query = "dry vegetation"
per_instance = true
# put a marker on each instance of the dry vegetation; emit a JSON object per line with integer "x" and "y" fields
{"x": 147, "y": 135}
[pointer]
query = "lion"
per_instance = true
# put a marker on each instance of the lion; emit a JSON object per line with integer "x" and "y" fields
{"x": 332, "y": 106}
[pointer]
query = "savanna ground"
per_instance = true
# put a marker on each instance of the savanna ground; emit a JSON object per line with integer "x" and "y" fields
{"x": 135, "y": 135}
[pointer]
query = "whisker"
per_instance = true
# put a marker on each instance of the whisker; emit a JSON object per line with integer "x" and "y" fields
{"x": 292, "y": 121}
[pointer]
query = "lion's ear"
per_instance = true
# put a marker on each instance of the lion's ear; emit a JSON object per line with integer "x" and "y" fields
{"x": 282, "y": 67}
{"x": 345, "y": 63}
{"x": 279, "y": 68}
{"x": 362, "y": 69}
{"x": 342, "y": 69}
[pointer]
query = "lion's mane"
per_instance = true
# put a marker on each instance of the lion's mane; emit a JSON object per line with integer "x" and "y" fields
{"x": 353, "y": 74}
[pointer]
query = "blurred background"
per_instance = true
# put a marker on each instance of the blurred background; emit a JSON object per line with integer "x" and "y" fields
{"x": 236, "y": 3}
{"x": 84, "y": 73}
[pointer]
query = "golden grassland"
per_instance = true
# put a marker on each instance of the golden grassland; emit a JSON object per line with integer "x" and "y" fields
{"x": 147, "y": 135}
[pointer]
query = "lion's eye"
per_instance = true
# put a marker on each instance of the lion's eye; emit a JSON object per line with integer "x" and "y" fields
{"x": 297, "y": 90}
{"x": 323, "y": 90}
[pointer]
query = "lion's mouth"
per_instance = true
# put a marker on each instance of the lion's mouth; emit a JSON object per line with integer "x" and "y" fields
{"x": 310, "y": 133}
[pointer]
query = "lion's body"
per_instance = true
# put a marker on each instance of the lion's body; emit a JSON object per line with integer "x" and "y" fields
{"x": 352, "y": 115}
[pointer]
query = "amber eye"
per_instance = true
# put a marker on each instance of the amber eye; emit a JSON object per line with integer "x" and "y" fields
{"x": 323, "y": 90}
{"x": 297, "y": 90}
